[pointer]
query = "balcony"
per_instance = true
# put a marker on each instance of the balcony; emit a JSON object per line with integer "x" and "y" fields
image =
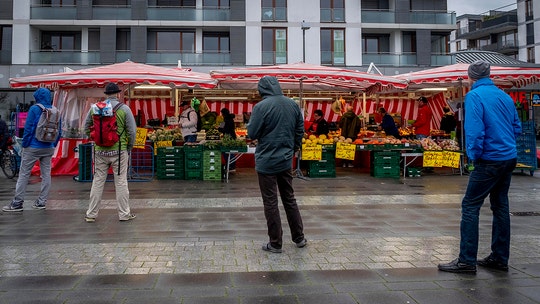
{"x": 65, "y": 57}
{"x": 5, "y": 57}
{"x": 417, "y": 17}
{"x": 274, "y": 14}
{"x": 490, "y": 25}
{"x": 510, "y": 46}
{"x": 56, "y": 12}
{"x": 167, "y": 57}
{"x": 388, "y": 59}
{"x": 188, "y": 14}
{"x": 442, "y": 59}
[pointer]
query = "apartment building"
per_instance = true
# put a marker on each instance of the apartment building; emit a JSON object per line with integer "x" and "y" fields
{"x": 44, "y": 36}
{"x": 511, "y": 30}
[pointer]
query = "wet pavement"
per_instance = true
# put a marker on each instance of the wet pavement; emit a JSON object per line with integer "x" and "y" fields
{"x": 371, "y": 240}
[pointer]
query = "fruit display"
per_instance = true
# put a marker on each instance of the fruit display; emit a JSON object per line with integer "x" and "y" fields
{"x": 438, "y": 133}
{"x": 429, "y": 144}
{"x": 449, "y": 144}
{"x": 406, "y": 131}
{"x": 165, "y": 135}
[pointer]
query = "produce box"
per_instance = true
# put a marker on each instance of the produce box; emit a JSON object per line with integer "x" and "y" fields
{"x": 234, "y": 149}
{"x": 315, "y": 173}
{"x": 413, "y": 172}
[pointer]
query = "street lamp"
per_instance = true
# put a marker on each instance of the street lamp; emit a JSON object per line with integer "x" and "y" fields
{"x": 304, "y": 26}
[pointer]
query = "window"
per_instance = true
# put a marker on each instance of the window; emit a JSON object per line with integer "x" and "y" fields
{"x": 274, "y": 45}
{"x": 508, "y": 39}
{"x": 93, "y": 39}
{"x": 179, "y": 41}
{"x": 58, "y": 2}
{"x": 274, "y": 10}
{"x": 530, "y": 32}
{"x": 332, "y": 10}
{"x": 529, "y": 9}
{"x": 530, "y": 54}
{"x": 333, "y": 46}
{"x": 216, "y": 42}
{"x": 123, "y": 3}
{"x": 409, "y": 42}
{"x": 458, "y": 45}
{"x": 58, "y": 41}
{"x": 217, "y": 3}
{"x": 375, "y": 44}
{"x": 5, "y": 37}
{"x": 123, "y": 39}
{"x": 172, "y": 3}
{"x": 440, "y": 43}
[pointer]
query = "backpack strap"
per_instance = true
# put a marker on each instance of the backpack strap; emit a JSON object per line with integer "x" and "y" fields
{"x": 116, "y": 107}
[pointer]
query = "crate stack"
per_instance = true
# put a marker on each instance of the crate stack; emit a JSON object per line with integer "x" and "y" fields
{"x": 193, "y": 161}
{"x": 170, "y": 163}
{"x": 212, "y": 165}
{"x": 385, "y": 164}
{"x": 85, "y": 163}
{"x": 526, "y": 147}
{"x": 326, "y": 167}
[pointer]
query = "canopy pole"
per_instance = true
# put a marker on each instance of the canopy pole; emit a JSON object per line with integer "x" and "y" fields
{"x": 177, "y": 96}
{"x": 298, "y": 170}
{"x": 364, "y": 106}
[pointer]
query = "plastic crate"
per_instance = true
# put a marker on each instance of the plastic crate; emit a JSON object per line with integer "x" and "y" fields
{"x": 317, "y": 173}
{"x": 234, "y": 149}
{"x": 322, "y": 165}
{"x": 194, "y": 174}
{"x": 171, "y": 175}
{"x": 386, "y": 172}
{"x": 192, "y": 148}
{"x": 193, "y": 164}
{"x": 413, "y": 172}
{"x": 86, "y": 154}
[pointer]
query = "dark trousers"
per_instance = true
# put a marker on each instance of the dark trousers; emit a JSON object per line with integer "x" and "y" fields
{"x": 269, "y": 185}
{"x": 488, "y": 178}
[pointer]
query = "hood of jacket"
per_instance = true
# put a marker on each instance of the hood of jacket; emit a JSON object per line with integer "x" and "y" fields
{"x": 269, "y": 86}
{"x": 43, "y": 96}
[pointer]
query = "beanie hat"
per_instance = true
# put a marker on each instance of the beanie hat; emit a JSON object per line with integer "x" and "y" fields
{"x": 479, "y": 69}
{"x": 111, "y": 88}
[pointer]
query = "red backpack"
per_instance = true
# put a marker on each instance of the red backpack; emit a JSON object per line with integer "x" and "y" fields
{"x": 104, "y": 131}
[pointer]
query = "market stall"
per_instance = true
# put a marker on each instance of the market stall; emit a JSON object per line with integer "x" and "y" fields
{"x": 76, "y": 90}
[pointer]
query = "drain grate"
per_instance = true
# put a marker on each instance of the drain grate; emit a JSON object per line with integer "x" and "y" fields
{"x": 525, "y": 213}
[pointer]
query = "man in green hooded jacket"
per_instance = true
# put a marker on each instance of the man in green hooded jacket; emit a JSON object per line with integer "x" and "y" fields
{"x": 277, "y": 124}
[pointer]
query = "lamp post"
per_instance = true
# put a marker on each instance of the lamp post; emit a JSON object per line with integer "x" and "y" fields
{"x": 304, "y": 26}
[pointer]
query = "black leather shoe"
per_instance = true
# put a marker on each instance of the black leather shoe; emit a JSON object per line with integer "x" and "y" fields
{"x": 490, "y": 262}
{"x": 457, "y": 267}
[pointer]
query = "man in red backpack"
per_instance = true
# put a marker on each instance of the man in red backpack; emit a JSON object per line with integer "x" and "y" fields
{"x": 111, "y": 154}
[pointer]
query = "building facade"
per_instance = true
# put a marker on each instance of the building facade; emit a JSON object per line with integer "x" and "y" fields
{"x": 44, "y": 36}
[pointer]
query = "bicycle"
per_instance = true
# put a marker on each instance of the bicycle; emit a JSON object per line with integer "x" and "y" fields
{"x": 10, "y": 160}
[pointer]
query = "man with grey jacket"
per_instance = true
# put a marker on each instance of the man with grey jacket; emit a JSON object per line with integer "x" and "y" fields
{"x": 277, "y": 124}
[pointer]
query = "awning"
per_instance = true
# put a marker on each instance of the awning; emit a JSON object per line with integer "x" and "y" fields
{"x": 456, "y": 75}
{"x": 313, "y": 78}
{"x": 126, "y": 73}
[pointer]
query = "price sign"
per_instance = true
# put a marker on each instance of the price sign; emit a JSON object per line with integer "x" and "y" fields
{"x": 433, "y": 159}
{"x": 311, "y": 152}
{"x": 345, "y": 151}
{"x": 451, "y": 159}
{"x": 164, "y": 143}
{"x": 140, "y": 138}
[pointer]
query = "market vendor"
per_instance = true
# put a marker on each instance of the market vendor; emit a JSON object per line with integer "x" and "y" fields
{"x": 319, "y": 125}
{"x": 422, "y": 125}
{"x": 388, "y": 124}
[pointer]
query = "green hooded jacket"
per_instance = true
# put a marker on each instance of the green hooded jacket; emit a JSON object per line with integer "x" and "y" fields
{"x": 277, "y": 123}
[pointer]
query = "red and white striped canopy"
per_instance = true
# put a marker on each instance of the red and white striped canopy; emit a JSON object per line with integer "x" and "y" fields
{"x": 456, "y": 74}
{"x": 121, "y": 73}
{"x": 314, "y": 78}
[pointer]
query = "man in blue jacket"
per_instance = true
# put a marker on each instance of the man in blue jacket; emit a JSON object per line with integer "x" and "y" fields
{"x": 491, "y": 128}
{"x": 277, "y": 123}
{"x": 34, "y": 150}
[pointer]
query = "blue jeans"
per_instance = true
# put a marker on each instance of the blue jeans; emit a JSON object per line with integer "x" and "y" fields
{"x": 488, "y": 178}
{"x": 190, "y": 138}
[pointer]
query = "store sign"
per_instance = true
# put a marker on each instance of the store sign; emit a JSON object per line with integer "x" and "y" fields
{"x": 140, "y": 138}
{"x": 345, "y": 151}
{"x": 311, "y": 152}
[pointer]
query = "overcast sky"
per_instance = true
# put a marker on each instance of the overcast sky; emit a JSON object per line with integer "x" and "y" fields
{"x": 462, "y": 7}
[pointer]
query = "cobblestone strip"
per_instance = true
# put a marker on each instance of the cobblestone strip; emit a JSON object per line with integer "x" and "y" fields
{"x": 241, "y": 256}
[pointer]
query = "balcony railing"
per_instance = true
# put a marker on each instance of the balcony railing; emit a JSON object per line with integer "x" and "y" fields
{"x": 390, "y": 59}
{"x": 57, "y": 12}
{"x": 111, "y": 13}
{"x": 333, "y": 58}
{"x": 165, "y": 57}
{"x": 5, "y": 57}
{"x": 501, "y": 46}
{"x": 188, "y": 14}
{"x": 274, "y": 14}
{"x": 65, "y": 57}
{"x": 423, "y": 17}
{"x": 442, "y": 59}
{"x": 272, "y": 58}
{"x": 332, "y": 15}
{"x": 378, "y": 16}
